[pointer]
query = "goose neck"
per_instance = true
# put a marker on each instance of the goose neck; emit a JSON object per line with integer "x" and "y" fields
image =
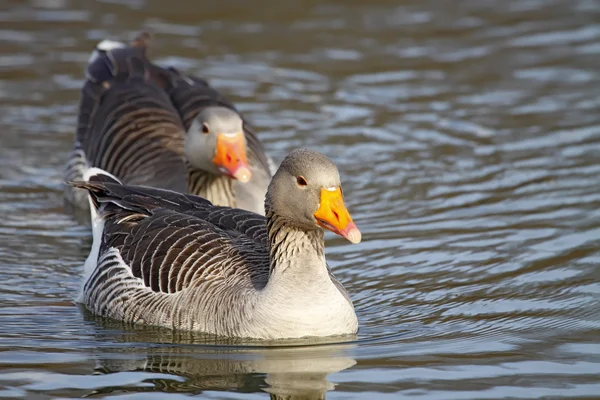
{"x": 294, "y": 251}
{"x": 218, "y": 189}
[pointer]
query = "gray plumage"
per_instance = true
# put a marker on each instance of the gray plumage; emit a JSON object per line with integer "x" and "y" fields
{"x": 136, "y": 121}
{"x": 175, "y": 260}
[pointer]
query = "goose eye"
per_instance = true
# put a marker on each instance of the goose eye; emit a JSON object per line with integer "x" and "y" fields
{"x": 301, "y": 181}
{"x": 205, "y": 128}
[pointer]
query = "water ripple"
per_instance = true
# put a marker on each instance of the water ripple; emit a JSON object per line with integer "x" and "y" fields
{"x": 467, "y": 137}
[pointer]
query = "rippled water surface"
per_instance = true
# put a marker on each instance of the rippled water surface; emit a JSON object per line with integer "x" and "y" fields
{"x": 467, "y": 134}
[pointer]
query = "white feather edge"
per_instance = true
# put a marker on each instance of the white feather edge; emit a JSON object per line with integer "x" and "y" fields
{"x": 97, "y": 228}
{"x": 94, "y": 171}
{"x": 105, "y": 45}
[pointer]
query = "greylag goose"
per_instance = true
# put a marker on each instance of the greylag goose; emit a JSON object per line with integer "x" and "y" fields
{"x": 129, "y": 126}
{"x": 175, "y": 260}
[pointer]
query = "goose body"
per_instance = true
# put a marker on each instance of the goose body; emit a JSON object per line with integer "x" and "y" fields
{"x": 127, "y": 126}
{"x": 178, "y": 261}
{"x": 149, "y": 126}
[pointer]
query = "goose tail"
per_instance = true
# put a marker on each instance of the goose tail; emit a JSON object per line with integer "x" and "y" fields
{"x": 99, "y": 175}
{"x": 103, "y": 47}
{"x": 111, "y": 59}
{"x": 93, "y": 176}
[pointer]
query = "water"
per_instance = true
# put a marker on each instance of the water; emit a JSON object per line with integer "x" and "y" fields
{"x": 467, "y": 134}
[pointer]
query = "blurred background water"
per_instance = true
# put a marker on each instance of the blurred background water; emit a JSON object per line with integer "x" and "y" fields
{"x": 467, "y": 134}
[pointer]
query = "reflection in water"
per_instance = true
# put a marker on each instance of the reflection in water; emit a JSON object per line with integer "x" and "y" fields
{"x": 286, "y": 369}
{"x": 467, "y": 131}
{"x": 291, "y": 373}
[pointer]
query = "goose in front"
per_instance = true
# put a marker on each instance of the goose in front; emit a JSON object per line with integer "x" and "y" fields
{"x": 156, "y": 127}
{"x": 176, "y": 260}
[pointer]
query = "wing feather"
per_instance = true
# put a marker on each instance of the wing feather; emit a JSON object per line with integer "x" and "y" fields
{"x": 172, "y": 241}
{"x": 127, "y": 124}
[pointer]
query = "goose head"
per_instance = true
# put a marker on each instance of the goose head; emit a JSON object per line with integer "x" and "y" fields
{"x": 306, "y": 191}
{"x": 215, "y": 143}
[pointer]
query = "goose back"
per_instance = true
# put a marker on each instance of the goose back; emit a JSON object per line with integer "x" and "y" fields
{"x": 127, "y": 124}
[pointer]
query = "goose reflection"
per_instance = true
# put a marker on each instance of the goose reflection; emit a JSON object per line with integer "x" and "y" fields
{"x": 198, "y": 363}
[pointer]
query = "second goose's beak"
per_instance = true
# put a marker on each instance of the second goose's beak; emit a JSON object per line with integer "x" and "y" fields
{"x": 333, "y": 215}
{"x": 230, "y": 156}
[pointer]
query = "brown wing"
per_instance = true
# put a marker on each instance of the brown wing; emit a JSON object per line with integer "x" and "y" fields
{"x": 173, "y": 240}
{"x": 127, "y": 124}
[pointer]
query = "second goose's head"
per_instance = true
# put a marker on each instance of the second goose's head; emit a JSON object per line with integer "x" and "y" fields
{"x": 307, "y": 192}
{"x": 215, "y": 143}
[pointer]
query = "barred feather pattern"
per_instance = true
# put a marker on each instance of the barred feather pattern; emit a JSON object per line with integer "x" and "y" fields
{"x": 132, "y": 120}
{"x": 127, "y": 125}
{"x": 135, "y": 134}
{"x": 177, "y": 261}
{"x": 218, "y": 189}
{"x": 75, "y": 169}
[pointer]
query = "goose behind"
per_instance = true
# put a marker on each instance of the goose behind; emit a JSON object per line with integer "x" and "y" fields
{"x": 155, "y": 126}
{"x": 175, "y": 260}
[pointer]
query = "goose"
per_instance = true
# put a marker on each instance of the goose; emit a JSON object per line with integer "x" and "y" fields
{"x": 175, "y": 260}
{"x": 129, "y": 126}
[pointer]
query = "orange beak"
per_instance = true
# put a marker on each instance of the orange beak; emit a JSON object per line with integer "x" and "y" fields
{"x": 230, "y": 157}
{"x": 333, "y": 215}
